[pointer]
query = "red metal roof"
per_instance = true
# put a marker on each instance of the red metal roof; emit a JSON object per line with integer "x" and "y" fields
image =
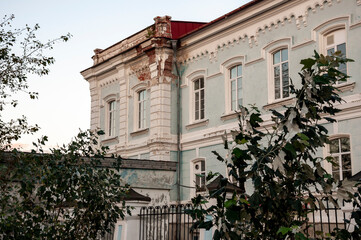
{"x": 251, "y": 3}
{"x": 180, "y": 28}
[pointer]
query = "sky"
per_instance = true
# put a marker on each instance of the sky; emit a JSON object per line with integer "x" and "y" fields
{"x": 63, "y": 106}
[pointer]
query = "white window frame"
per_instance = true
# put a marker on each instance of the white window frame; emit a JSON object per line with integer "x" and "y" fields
{"x": 339, "y": 38}
{"x": 194, "y": 100}
{"x": 111, "y": 109}
{"x": 328, "y": 166}
{"x": 134, "y": 93}
{"x": 194, "y": 171}
{"x": 268, "y": 51}
{"x": 272, "y": 76}
{"x": 225, "y": 68}
{"x": 108, "y": 129}
{"x": 141, "y": 109}
{"x": 234, "y": 104}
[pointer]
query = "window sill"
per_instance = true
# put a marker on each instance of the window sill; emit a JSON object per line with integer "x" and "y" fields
{"x": 139, "y": 132}
{"x": 345, "y": 87}
{"x": 279, "y": 103}
{"x": 200, "y": 123}
{"x": 228, "y": 116}
{"x": 109, "y": 139}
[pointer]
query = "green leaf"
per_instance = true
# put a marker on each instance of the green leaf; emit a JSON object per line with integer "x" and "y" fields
{"x": 283, "y": 230}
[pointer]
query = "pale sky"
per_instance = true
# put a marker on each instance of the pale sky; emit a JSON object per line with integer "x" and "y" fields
{"x": 63, "y": 106}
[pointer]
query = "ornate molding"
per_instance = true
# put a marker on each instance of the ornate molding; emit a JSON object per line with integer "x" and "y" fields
{"x": 297, "y": 15}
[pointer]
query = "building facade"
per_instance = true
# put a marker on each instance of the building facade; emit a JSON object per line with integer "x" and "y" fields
{"x": 172, "y": 90}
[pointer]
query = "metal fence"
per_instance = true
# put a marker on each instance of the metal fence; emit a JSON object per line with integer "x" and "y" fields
{"x": 166, "y": 223}
{"x": 171, "y": 222}
{"x": 328, "y": 216}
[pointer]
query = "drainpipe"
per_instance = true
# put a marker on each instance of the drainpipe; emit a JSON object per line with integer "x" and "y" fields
{"x": 174, "y": 46}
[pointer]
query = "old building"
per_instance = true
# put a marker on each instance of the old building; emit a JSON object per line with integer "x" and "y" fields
{"x": 244, "y": 57}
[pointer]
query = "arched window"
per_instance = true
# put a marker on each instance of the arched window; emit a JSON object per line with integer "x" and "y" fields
{"x": 199, "y": 171}
{"x": 336, "y": 41}
{"x": 235, "y": 79}
{"x": 280, "y": 74}
{"x": 111, "y": 118}
{"x": 199, "y": 100}
{"x": 141, "y": 107}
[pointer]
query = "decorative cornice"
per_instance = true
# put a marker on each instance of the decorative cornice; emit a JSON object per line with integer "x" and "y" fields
{"x": 297, "y": 15}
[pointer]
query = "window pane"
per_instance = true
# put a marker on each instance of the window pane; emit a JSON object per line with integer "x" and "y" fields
{"x": 342, "y": 48}
{"x": 284, "y": 54}
{"x": 201, "y": 82}
{"x": 330, "y": 51}
{"x": 334, "y": 146}
{"x": 335, "y": 167}
{"x": 196, "y": 84}
{"x": 233, "y": 72}
{"x": 346, "y": 162}
{"x": 345, "y": 144}
{"x": 277, "y": 82}
{"x": 346, "y": 174}
{"x": 336, "y": 176}
{"x": 239, "y": 70}
{"x": 203, "y": 166}
{"x": 285, "y": 79}
{"x": 276, "y": 57}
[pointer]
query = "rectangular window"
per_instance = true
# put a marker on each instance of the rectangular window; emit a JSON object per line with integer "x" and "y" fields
{"x": 141, "y": 109}
{"x": 236, "y": 87}
{"x": 111, "y": 118}
{"x": 341, "y": 152}
{"x": 281, "y": 74}
{"x": 199, "y": 99}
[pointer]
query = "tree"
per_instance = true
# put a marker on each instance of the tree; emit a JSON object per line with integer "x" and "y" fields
{"x": 73, "y": 192}
{"x": 281, "y": 164}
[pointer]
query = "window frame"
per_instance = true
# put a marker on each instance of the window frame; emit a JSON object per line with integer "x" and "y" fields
{"x": 339, "y": 154}
{"x": 141, "y": 121}
{"x": 193, "y": 101}
{"x": 272, "y": 88}
{"x": 237, "y": 88}
{"x": 341, "y": 34}
{"x": 202, "y": 188}
{"x": 225, "y": 69}
{"x": 110, "y": 119}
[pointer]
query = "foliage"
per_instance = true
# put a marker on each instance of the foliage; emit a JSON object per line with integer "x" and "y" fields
{"x": 21, "y": 54}
{"x": 279, "y": 160}
{"x": 71, "y": 193}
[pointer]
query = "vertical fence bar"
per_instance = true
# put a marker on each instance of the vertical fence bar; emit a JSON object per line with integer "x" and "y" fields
{"x": 140, "y": 224}
{"x": 328, "y": 216}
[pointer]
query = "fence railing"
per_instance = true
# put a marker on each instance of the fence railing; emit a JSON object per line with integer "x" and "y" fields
{"x": 328, "y": 216}
{"x": 166, "y": 223}
{"x": 171, "y": 222}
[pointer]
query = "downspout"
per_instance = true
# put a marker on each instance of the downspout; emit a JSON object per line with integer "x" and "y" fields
{"x": 174, "y": 46}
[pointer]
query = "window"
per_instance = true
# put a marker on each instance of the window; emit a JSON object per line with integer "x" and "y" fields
{"x": 340, "y": 150}
{"x": 111, "y": 118}
{"x": 199, "y": 99}
{"x": 336, "y": 41}
{"x": 280, "y": 74}
{"x": 200, "y": 175}
{"x": 235, "y": 77}
{"x": 141, "y": 104}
